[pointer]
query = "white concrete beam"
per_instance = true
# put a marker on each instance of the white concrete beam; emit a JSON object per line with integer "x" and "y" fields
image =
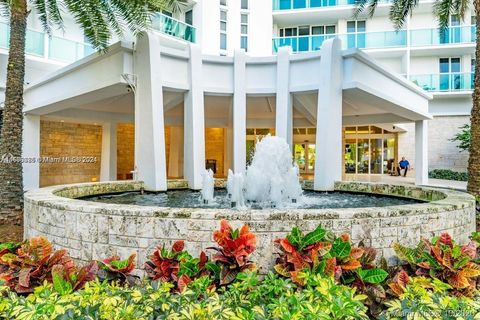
{"x": 194, "y": 122}
{"x": 31, "y": 149}
{"x": 284, "y": 112}
{"x": 108, "y": 164}
{"x": 150, "y": 161}
{"x": 239, "y": 113}
{"x": 328, "y": 162}
{"x": 421, "y": 152}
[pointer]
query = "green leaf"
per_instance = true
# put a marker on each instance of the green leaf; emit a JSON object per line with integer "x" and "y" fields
{"x": 119, "y": 264}
{"x": 315, "y": 236}
{"x": 190, "y": 268}
{"x": 340, "y": 248}
{"x": 213, "y": 268}
{"x": 295, "y": 237}
{"x": 372, "y": 275}
{"x": 9, "y": 245}
{"x": 235, "y": 233}
{"x": 60, "y": 285}
{"x": 461, "y": 263}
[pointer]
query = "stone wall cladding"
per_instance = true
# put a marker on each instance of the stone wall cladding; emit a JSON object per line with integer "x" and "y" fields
{"x": 93, "y": 230}
{"x": 62, "y": 139}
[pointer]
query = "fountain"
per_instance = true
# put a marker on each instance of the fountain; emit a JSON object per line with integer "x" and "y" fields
{"x": 95, "y": 219}
{"x": 271, "y": 179}
{"x": 208, "y": 187}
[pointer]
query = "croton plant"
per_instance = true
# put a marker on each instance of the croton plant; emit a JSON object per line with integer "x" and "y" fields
{"x": 445, "y": 260}
{"x": 233, "y": 253}
{"x": 177, "y": 266}
{"x": 28, "y": 266}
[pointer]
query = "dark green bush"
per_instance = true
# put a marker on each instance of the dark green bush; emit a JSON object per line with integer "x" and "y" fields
{"x": 447, "y": 174}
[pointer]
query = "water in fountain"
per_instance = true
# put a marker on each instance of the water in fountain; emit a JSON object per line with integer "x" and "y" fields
{"x": 208, "y": 185}
{"x": 235, "y": 191}
{"x": 272, "y": 177}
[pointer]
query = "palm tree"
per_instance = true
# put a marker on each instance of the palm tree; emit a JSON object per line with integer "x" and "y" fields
{"x": 443, "y": 9}
{"x": 99, "y": 19}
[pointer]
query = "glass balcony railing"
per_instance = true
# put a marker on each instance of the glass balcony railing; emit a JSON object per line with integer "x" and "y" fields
{"x": 444, "y": 82}
{"x": 452, "y": 35}
{"x": 363, "y": 40}
{"x": 174, "y": 27}
{"x": 301, "y": 43}
{"x": 382, "y": 39}
{"x": 54, "y": 48}
{"x": 307, "y": 4}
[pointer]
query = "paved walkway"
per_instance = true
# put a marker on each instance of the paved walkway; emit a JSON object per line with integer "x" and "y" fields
{"x": 437, "y": 183}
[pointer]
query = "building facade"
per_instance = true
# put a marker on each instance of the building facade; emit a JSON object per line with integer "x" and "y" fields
{"x": 440, "y": 64}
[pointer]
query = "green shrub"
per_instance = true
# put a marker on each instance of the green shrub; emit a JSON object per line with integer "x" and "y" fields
{"x": 247, "y": 298}
{"x": 426, "y": 299}
{"x": 447, "y": 174}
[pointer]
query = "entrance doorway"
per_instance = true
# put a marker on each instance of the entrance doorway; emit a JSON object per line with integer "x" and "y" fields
{"x": 304, "y": 156}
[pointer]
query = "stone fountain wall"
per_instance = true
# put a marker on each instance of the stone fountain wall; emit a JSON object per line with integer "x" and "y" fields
{"x": 92, "y": 230}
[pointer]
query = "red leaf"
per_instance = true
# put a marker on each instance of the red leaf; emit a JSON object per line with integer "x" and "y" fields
{"x": 446, "y": 239}
{"x": 178, "y": 246}
{"x": 24, "y": 277}
{"x": 183, "y": 281}
{"x": 470, "y": 249}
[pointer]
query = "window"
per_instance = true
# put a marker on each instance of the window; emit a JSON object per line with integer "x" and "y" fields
{"x": 189, "y": 17}
{"x": 450, "y": 77}
{"x": 223, "y": 30}
{"x": 244, "y": 31}
{"x": 356, "y": 34}
{"x": 244, "y": 4}
{"x": 320, "y": 34}
{"x": 223, "y": 2}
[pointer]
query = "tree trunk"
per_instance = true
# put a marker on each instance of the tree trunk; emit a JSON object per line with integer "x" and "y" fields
{"x": 11, "y": 184}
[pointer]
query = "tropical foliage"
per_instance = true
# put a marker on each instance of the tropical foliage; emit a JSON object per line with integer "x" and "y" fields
{"x": 463, "y": 138}
{"x": 318, "y": 276}
{"x": 443, "y": 259}
{"x": 235, "y": 248}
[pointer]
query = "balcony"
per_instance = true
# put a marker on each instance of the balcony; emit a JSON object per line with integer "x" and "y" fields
{"x": 311, "y": 4}
{"x": 41, "y": 45}
{"x": 174, "y": 27}
{"x": 363, "y": 40}
{"x": 433, "y": 37}
{"x": 382, "y": 39}
{"x": 444, "y": 82}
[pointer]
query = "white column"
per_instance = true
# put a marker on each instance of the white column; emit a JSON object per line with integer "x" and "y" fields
{"x": 31, "y": 149}
{"x": 194, "y": 123}
{"x": 175, "y": 161}
{"x": 108, "y": 165}
{"x": 228, "y": 149}
{"x": 421, "y": 152}
{"x": 239, "y": 113}
{"x": 283, "y": 112}
{"x": 150, "y": 161}
{"x": 328, "y": 159}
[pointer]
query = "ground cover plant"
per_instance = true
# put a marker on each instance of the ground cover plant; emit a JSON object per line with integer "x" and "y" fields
{"x": 317, "y": 275}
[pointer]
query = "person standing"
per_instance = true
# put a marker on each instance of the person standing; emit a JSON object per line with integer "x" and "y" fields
{"x": 403, "y": 165}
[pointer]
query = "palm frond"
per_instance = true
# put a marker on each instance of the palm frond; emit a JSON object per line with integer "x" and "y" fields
{"x": 362, "y": 5}
{"x": 400, "y": 10}
{"x": 173, "y": 6}
{"x": 4, "y": 8}
{"x": 443, "y": 9}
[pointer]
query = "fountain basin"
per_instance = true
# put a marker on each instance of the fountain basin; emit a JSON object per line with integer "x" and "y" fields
{"x": 93, "y": 230}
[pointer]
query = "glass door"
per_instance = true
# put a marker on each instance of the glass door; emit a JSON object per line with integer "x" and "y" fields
{"x": 450, "y": 77}
{"x": 305, "y": 157}
{"x": 356, "y": 34}
{"x": 303, "y": 39}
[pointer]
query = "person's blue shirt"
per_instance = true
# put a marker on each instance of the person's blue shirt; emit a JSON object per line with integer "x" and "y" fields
{"x": 404, "y": 164}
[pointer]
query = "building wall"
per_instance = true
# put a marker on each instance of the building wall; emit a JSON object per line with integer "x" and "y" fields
{"x": 125, "y": 150}
{"x": 442, "y": 153}
{"x": 215, "y": 147}
{"x": 80, "y": 141}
